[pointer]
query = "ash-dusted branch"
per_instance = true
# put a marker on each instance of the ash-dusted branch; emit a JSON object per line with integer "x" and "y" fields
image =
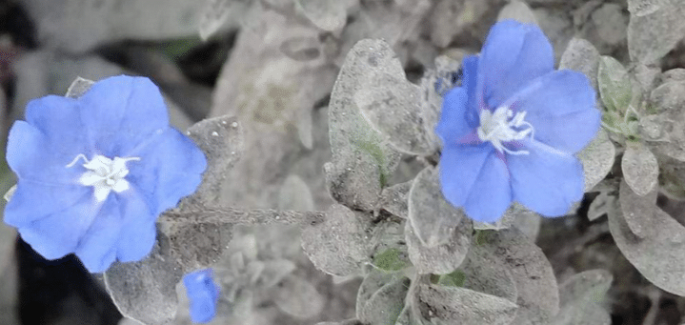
{"x": 220, "y": 214}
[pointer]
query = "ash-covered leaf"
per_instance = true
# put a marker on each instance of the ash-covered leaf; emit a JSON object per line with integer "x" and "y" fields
{"x": 640, "y": 168}
{"x": 339, "y": 245}
{"x": 394, "y": 199}
{"x": 597, "y": 159}
{"x": 672, "y": 178}
{"x": 295, "y": 195}
{"x": 381, "y": 298}
{"x": 355, "y": 182}
{"x": 301, "y": 48}
{"x": 298, "y": 298}
{"x": 391, "y": 259}
{"x": 515, "y": 216}
{"x": 668, "y": 101}
{"x": 603, "y": 204}
{"x": 389, "y": 246}
{"x": 538, "y": 293}
{"x": 645, "y": 219}
{"x": 580, "y": 55}
{"x": 216, "y": 13}
{"x": 392, "y": 106}
{"x": 443, "y": 258}
{"x": 657, "y": 258}
{"x": 586, "y": 287}
{"x": 519, "y": 11}
{"x": 454, "y": 279}
{"x": 434, "y": 84}
{"x": 221, "y": 140}
{"x": 327, "y": 15}
{"x": 486, "y": 273}
{"x": 196, "y": 246}
{"x": 78, "y": 87}
{"x": 431, "y": 216}
{"x": 615, "y": 88}
{"x": 655, "y": 27}
{"x": 591, "y": 314}
{"x": 454, "y": 305}
{"x": 146, "y": 290}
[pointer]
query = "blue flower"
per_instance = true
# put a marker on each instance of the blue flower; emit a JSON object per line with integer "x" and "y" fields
{"x": 203, "y": 294}
{"x": 96, "y": 172}
{"x": 511, "y": 130}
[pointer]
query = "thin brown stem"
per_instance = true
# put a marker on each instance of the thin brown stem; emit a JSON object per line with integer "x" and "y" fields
{"x": 219, "y": 215}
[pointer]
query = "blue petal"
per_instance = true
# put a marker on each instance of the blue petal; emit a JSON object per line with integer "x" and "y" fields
{"x": 491, "y": 193}
{"x": 59, "y": 233}
{"x": 547, "y": 181}
{"x": 33, "y": 201}
{"x": 452, "y": 125}
{"x": 33, "y": 156}
{"x": 170, "y": 168}
{"x": 203, "y": 294}
{"x": 513, "y": 55}
{"x": 96, "y": 248}
{"x": 59, "y": 120}
{"x": 121, "y": 112}
{"x": 561, "y": 108}
{"x": 470, "y": 83}
{"x": 459, "y": 170}
{"x": 138, "y": 231}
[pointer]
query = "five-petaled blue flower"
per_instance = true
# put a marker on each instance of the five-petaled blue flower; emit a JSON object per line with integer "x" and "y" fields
{"x": 96, "y": 172}
{"x": 511, "y": 130}
{"x": 203, "y": 294}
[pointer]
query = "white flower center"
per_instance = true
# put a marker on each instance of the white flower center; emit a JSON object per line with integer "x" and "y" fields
{"x": 503, "y": 126}
{"x": 104, "y": 174}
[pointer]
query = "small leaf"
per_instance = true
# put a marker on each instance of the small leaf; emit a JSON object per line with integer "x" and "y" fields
{"x": 327, "y": 15}
{"x": 615, "y": 87}
{"x": 443, "y": 258}
{"x": 640, "y": 168}
{"x": 301, "y": 48}
{"x": 597, "y": 159}
{"x": 519, "y": 11}
{"x": 432, "y": 217}
{"x": 655, "y": 27}
{"x": 580, "y": 55}
{"x": 645, "y": 219}
{"x": 601, "y": 205}
{"x": 394, "y": 199}
{"x": 78, "y": 87}
{"x": 338, "y": 246}
{"x": 669, "y": 104}
{"x": 657, "y": 258}
{"x": 454, "y": 279}
{"x": 454, "y": 305}
{"x": 381, "y": 299}
{"x": 391, "y": 259}
{"x": 216, "y": 13}
{"x": 295, "y": 195}
{"x": 585, "y": 287}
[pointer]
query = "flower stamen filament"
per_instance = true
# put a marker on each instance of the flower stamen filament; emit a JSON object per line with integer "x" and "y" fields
{"x": 104, "y": 174}
{"x": 504, "y": 126}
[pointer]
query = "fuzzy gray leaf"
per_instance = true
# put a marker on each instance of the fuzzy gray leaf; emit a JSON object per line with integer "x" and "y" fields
{"x": 591, "y": 314}
{"x": 582, "y": 56}
{"x": 672, "y": 178}
{"x": 339, "y": 245}
{"x": 146, "y": 290}
{"x": 585, "y": 287}
{"x": 615, "y": 87}
{"x": 389, "y": 246}
{"x": 394, "y": 199}
{"x": 668, "y": 99}
{"x": 486, "y": 273}
{"x": 196, "y": 246}
{"x": 645, "y": 219}
{"x": 519, "y": 11}
{"x": 360, "y": 153}
{"x": 432, "y": 217}
{"x": 443, "y": 258}
{"x": 298, "y": 298}
{"x": 78, "y": 87}
{"x": 657, "y": 258}
{"x": 538, "y": 293}
{"x": 597, "y": 159}
{"x": 392, "y": 106}
{"x": 216, "y": 13}
{"x": 328, "y": 15}
{"x": 453, "y": 305}
{"x": 295, "y": 195}
{"x": 655, "y": 28}
{"x": 640, "y": 168}
{"x": 221, "y": 140}
{"x": 381, "y": 298}
{"x": 601, "y": 205}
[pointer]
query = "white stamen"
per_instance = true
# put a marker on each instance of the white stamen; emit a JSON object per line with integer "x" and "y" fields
{"x": 104, "y": 174}
{"x": 498, "y": 127}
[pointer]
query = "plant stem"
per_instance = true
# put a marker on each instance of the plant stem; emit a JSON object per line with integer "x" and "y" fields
{"x": 220, "y": 214}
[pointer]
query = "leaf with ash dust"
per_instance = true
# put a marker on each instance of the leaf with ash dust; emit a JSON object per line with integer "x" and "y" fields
{"x": 640, "y": 168}
{"x": 519, "y": 11}
{"x": 394, "y": 199}
{"x": 380, "y": 298}
{"x": 615, "y": 87}
{"x": 645, "y": 219}
{"x": 538, "y": 293}
{"x": 515, "y": 216}
{"x": 145, "y": 290}
{"x": 580, "y": 55}
{"x": 78, "y": 87}
{"x": 432, "y": 217}
{"x": 389, "y": 246}
{"x": 295, "y": 195}
{"x": 221, "y": 140}
{"x": 442, "y": 258}
{"x": 327, "y": 15}
{"x": 603, "y": 204}
{"x": 655, "y": 27}
{"x": 597, "y": 159}
{"x": 339, "y": 245}
{"x": 216, "y": 13}
{"x": 362, "y": 158}
{"x": 668, "y": 102}
{"x": 672, "y": 178}
{"x": 657, "y": 258}
{"x": 392, "y": 105}
{"x": 196, "y": 246}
